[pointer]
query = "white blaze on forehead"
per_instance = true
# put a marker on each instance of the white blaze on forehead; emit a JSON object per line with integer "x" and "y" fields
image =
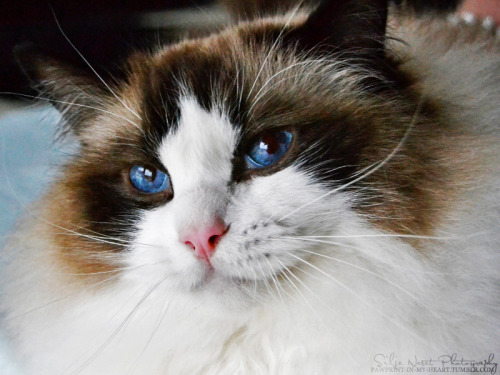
{"x": 199, "y": 153}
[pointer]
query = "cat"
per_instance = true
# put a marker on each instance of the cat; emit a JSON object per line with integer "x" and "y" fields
{"x": 315, "y": 192}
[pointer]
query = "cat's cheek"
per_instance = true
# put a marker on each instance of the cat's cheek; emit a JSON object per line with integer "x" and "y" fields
{"x": 268, "y": 215}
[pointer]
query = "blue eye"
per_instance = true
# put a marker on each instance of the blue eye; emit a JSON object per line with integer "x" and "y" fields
{"x": 268, "y": 149}
{"x": 148, "y": 180}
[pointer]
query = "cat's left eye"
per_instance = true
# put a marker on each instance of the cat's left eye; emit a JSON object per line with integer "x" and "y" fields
{"x": 148, "y": 180}
{"x": 268, "y": 149}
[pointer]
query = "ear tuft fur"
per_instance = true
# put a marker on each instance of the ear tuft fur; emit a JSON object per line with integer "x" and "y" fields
{"x": 71, "y": 91}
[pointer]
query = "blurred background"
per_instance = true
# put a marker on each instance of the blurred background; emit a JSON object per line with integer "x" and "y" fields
{"x": 106, "y": 31}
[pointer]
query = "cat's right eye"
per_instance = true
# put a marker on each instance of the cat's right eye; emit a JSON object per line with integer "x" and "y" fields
{"x": 148, "y": 180}
{"x": 268, "y": 149}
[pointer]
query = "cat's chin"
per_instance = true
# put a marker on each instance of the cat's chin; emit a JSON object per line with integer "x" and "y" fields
{"x": 216, "y": 280}
{"x": 230, "y": 291}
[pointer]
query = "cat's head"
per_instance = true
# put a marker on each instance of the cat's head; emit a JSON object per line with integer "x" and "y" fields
{"x": 215, "y": 161}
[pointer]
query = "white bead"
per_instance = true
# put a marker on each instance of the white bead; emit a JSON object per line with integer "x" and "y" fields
{"x": 468, "y": 18}
{"x": 488, "y": 23}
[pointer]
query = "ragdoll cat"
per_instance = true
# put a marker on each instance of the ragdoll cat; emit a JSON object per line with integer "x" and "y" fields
{"x": 311, "y": 193}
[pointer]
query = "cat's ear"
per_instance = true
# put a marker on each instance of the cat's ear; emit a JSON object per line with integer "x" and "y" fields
{"x": 356, "y": 28}
{"x": 72, "y": 92}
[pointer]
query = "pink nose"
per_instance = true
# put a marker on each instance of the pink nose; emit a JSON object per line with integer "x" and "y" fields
{"x": 204, "y": 241}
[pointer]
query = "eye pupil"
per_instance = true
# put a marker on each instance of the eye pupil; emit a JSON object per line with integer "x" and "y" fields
{"x": 268, "y": 149}
{"x": 148, "y": 180}
{"x": 149, "y": 174}
{"x": 270, "y": 143}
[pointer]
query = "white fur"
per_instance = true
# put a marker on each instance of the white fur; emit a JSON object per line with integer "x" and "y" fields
{"x": 364, "y": 294}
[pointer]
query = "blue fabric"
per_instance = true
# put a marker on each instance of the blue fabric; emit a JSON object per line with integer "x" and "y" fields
{"x": 28, "y": 156}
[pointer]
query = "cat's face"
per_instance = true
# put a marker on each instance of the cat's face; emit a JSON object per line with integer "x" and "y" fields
{"x": 215, "y": 163}
{"x": 250, "y": 219}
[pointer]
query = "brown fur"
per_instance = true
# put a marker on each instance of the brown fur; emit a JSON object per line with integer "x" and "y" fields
{"x": 359, "y": 126}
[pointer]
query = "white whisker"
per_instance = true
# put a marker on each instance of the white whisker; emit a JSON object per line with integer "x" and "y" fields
{"x": 275, "y": 282}
{"x": 90, "y": 66}
{"x": 345, "y": 246}
{"x": 72, "y": 104}
{"x": 412, "y": 296}
{"x": 101, "y": 282}
{"x": 265, "y": 280}
{"x": 375, "y": 168}
{"x": 361, "y": 299}
{"x": 305, "y": 300}
{"x": 383, "y": 235}
{"x": 274, "y": 45}
{"x": 154, "y": 331}
{"x": 117, "y": 330}
{"x": 260, "y": 93}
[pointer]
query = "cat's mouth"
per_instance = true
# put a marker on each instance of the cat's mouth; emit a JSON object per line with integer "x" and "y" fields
{"x": 216, "y": 277}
